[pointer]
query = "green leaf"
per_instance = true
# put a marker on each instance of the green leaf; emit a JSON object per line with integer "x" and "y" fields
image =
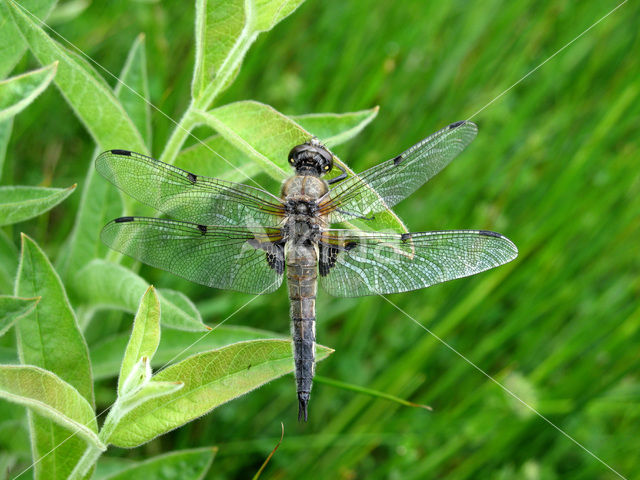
{"x": 50, "y": 396}
{"x": 13, "y": 308}
{"x": 216, "y": 157}
{"x": 180, "y": 465}
{"x": 134, "y": 75}
{"x": 16, "y": 93}
{"x": 101, "y": 202}
{"x": 8, "y": 263}
{"x": 18, "y": 204}
{"x": 13, "y": 45}
{"x": 145, "y": 336}
{"x": 5, "y": 135}
{"x": 335, "y": 128}
{"x": 91, "y": 99}
{"x": 49, "y": 337}
{"x": 102, "y": 284}
{"x": 148, "y": 391}
{"x": 210, "y": 379}
{"x": 175, "y": 345}
{"x": 224, "y": 33}
{"x": 267, "y": 136}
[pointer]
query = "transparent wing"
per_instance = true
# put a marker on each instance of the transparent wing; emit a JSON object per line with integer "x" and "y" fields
{"x": 232, "y": 258}
{"x": 389, "y": 182}
{"x": 354, "y": 263}
{"x": 185, "y": 196}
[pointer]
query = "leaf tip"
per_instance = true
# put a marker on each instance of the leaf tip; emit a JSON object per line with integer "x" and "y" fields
{"x": 72, "y": 187}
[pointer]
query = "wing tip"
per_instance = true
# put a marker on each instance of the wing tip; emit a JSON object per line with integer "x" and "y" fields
{"x": 514, "y": 248}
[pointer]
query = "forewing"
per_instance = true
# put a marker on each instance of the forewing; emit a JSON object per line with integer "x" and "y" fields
{"x": 376, "y": 263}
{"x": 233, "y": 258}
{"x": 185, "y": 196}
{"x": 389, "y": 182}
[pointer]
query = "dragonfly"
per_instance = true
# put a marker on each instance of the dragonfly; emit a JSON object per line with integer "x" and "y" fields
{"x": 234, "y": 236}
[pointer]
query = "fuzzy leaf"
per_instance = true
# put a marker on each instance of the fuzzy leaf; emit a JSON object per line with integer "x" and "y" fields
{"x": 50, "y": 396}
{"x": 175, "y": 345}
{"x": 101, "y": 202}
{"x": 103, "y": 284}
{"x": 335, "y": 128}
{"x": 49, "y": 337}
{"x": 13, "y": 308}
{"x": 224, "y": 33}
{"x": 13, "y": 45}
{"x": 5, "y": 134}
{"x": 16, "y": 93}
{"x": 91, "y": 99}
{"x": 180, "y": 465}
{"x": 267, "y": 136}
{"x": 8, "y": 263}
{"x": 210, "y": 379}
{"x": 18, "y": 204}
{"x": 134, "y": 75}
{"x": 145, "y": 336}
{"x": 216, "y": 157}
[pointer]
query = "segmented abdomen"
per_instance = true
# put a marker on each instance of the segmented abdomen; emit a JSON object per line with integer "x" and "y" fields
{"x": 302, "y": 281}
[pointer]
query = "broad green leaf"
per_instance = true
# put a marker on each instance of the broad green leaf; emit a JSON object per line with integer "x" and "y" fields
{"x": 335, "y": 128}
{"x": 180, "y": 465}
{"x": 49, "y": 337}
{"x": 5, "y": 134}
{"x": 210, "y": 379}
{"x": 50, "y": 396}
{"x": 145, "y": 336}
{"x": 91, "y": 99}
{"x": 102, "y": 284}
{"x": 224, "y": 33}
{"x": 134, "y": 76}
{"x": 268, "y": 13}
{"x": 267, "y": 136}
{"x": 18, "y": 204}
{"x": 216, "y": 157}
{"x": 175, "y": 345}
{"x": 16, "y": 93}
{"x": 13, "y": 45}
{"x": 13, "y": 308}
{"x": 101, "y": 202}
{"x": 8, "y": 263}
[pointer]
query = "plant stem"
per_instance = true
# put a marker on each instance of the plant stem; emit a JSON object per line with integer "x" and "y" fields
{"x": 188, "y": 121}
{"x": 88, "y": 459}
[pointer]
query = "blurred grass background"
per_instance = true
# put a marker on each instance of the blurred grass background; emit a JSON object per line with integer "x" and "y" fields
{"x": 555, "y": 168}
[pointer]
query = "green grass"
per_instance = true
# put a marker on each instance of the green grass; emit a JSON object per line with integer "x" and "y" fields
{"x": 554, "y": 167}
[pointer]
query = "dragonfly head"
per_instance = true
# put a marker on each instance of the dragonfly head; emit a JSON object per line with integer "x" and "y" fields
{"x": 311, "y": 158}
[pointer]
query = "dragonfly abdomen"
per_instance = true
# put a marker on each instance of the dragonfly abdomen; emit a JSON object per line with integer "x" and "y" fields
{"x": 302, "y": 280}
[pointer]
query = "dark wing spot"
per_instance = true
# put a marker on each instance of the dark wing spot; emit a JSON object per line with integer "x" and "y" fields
{"x": 275, "y": 256}
{"x": 192, "y": 178}
{"x": 202, "y": 228}
{"x": 121, "y": 152}
{"x": 456, "y": 124}
{"x": 405, "y": 236}
{"x": 397, "y": 160}
{"x": 123, "y": 219}
{"x": 329, "y": 256}
{"x": 488, "y": 233}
